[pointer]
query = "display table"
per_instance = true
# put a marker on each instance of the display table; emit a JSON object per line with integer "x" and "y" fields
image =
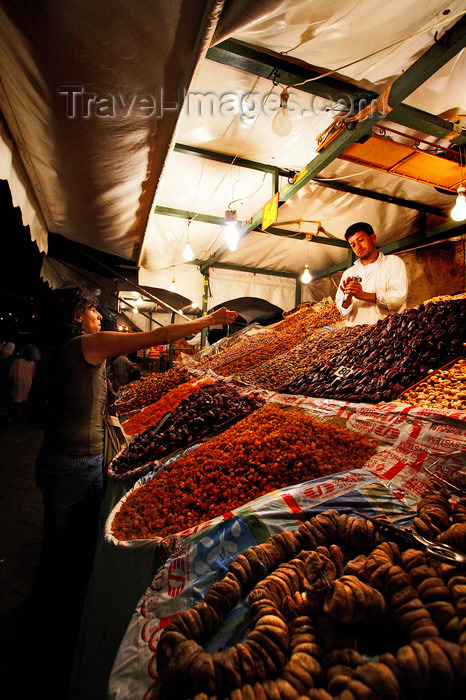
{"x": 137, "y": 586}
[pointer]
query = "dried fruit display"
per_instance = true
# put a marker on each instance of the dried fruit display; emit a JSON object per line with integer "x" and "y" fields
{"x": 152, "y": 414}
{"x": 150, "y": 389}
{"x": 439, "y": 519}
{"x": 335, "y": 611}
{"x": 269, "y": 449}
{"x": 307, "y": 318}
{"x": 275, "y": 345}
{"x": 245, "y": 346}
{"x": 446, "y": 297}
{"x": 390, "y": 356}
{"x": 445, "y": 388}
{"x": 267, "y": 344}
{"x": 200, "y": 414}
{"x": 315, "y": 350}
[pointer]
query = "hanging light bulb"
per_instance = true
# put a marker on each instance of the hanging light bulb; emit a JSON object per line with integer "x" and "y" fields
{"x": 306, "y": 276}
{"x": 173, "y": 284}
{"x": 281, "y": 124}
{"x": 231, "y": 229}
{"x": 188, "y": 251}
{"x": 458, "y": 213}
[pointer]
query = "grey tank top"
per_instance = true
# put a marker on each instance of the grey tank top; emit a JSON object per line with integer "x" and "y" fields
{"x": 77, "y": 402}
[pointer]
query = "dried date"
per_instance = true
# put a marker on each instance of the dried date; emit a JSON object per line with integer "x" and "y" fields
{"x": 195, "y": 417}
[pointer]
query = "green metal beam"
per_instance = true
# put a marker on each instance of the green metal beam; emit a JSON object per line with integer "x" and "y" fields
{"x": 288, "y": 71}
{"x": 183, "y": 214}
{"x": 262, "y": 63}
{"x": 330, "y": 270}
{"x": 446, "y": 48}
{"x": 436, "y": 233}
{"x": 217, "y": 220}
{"x": 425, "y": 66}
{"x": 225, "y": 158}
{"x": 326, "y": 156}
{"x": 205, "y": 305}
{"x": 220, "y": 221}
{"x": 380, "y": 196}
{"x": 331, "y": 184}
{"x": 297, "y": 293}
{"x": 336, "y": 242}
{"x": 424, "y": 122}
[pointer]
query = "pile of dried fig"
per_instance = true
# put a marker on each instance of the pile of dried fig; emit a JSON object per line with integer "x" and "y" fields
{"x": 334, "y": 612}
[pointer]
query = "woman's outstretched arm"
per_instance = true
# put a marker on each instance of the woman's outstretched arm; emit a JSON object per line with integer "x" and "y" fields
{"x": 97, "y": 347}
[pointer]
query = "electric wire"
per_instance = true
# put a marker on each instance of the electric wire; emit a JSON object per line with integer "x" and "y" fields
{"x": 374, "y": 53}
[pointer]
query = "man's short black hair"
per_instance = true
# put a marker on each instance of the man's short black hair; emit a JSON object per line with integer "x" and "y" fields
{"x": 360, "y": 226}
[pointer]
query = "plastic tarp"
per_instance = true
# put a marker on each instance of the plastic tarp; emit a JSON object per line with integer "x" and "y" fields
{"x": 412, "y": 443}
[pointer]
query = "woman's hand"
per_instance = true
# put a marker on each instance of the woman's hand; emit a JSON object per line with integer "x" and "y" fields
{"x": 222, "y": 316}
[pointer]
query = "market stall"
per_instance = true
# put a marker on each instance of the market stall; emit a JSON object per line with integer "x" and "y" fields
{"x": 192, "y": 490}
{"x": 223, "y": 148}
{"x": 389, "y": 484}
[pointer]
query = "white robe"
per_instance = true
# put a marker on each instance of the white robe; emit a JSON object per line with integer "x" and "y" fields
{"x": 387, "y": 279}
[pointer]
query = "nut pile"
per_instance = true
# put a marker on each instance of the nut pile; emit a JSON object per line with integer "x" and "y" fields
{"x": 390, "y": 356}
{"x": 270, "y": 449}
{"x": 315, "y": 350}
{"x": 150, "y": 389}
{"x": 265, "y": 345}
{"x": 334, "y": 612}
{"x": 445, "y": 388}
{"x": 196, "y": 416}
{"x": 446, "y": 297}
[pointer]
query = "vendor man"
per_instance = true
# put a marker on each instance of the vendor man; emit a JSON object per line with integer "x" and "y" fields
{"x": 381, "y": 284}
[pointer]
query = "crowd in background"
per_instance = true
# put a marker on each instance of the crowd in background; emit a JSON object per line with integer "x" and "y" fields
{"x": 17, "y": 371}
{"x": 16, "y": 375}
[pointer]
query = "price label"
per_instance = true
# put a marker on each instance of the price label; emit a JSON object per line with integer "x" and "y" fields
{"x": 269, "y": 215}
{"x": 343, "y": 372}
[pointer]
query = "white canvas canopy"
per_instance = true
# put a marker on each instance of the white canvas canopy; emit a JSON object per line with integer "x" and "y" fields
{"x": 127, "y": 128}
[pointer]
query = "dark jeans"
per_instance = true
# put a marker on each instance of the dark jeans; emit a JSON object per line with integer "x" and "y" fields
{"x": 72, "y": 488}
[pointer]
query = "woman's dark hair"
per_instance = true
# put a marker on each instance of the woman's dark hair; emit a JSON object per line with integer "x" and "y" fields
{"x": 26, "y": 354}
{"x": 61, "y": 313}
{"x": 360, "y": 226}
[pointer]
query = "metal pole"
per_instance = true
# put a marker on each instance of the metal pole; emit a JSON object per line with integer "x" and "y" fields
{"x": 205, "y": 305}
{"x": 170, "y": 351}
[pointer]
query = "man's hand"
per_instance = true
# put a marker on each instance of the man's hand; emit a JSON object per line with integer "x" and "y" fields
{"x": 222, "y": 316}
{"x": 353, "y": 288}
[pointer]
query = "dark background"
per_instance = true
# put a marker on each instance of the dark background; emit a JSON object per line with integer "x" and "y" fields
{"x": 21, "y": 288}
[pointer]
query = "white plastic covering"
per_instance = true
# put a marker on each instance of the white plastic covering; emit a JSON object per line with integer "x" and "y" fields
{"x": 208, "y": 187}
{"x": 95, "y": 179}
{"x": 23, "y": 196}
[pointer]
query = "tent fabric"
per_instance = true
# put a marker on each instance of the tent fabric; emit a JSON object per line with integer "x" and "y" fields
{"x": 22, "y": 193}
{"x": 97, "y": 171}
{"x": 94, "y": 170}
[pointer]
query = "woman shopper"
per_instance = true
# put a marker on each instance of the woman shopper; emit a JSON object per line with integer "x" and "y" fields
{"x": 69, "y": 469}
{"x": 21, "y": 375}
